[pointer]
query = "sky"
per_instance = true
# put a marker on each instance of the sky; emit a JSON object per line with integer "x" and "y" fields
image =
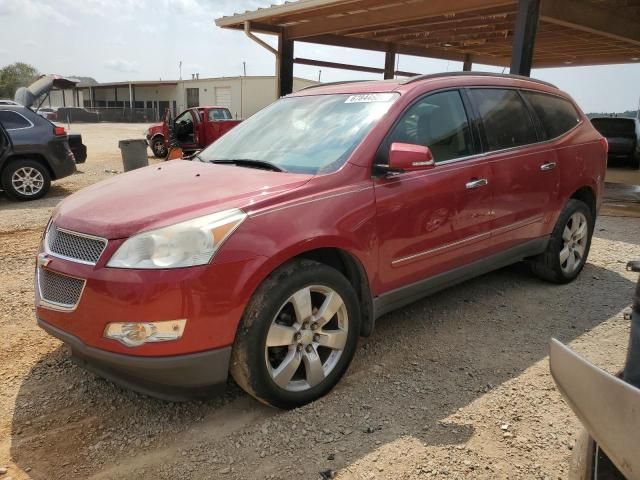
{"x": 120, "y": 40}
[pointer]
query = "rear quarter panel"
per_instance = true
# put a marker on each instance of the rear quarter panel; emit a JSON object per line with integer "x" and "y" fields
{"x": 213, "y": 130}
{"x": 39, "y": 141}
{"x": 582, "y": 160}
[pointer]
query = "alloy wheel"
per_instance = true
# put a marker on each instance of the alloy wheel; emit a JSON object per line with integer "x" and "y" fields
{"x": 27, "y": 181}
{"x": 159, "y": 148}
{"x": 574, "y": 238}
{"x": 306, "y": 338}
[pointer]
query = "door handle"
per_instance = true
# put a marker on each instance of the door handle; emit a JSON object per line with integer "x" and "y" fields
{"x": 481, "y": 182}
{"x": 548, "y": 166}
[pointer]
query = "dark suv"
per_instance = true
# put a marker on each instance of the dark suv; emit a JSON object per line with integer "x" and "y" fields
{"x": 34, "y": 152}
{"x": 623, "y": 135}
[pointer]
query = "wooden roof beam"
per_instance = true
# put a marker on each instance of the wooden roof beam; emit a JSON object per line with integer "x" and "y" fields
{"x": 415, "y": 50}
{"x": 442, "y": 21}
{"x": 584, "y": 16}
{"x": 387, "y": 16}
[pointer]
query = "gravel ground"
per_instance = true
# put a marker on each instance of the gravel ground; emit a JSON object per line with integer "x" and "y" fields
{"x": 454, "y": 386}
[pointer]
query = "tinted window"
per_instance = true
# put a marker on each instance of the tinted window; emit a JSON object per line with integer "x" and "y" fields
{"x": 506, "y": 120}
{"x": 439, "y": 122}
{"x": 12, "y": 120}
{"x": 610, "y": 127}
{"x": 557, "y": 115}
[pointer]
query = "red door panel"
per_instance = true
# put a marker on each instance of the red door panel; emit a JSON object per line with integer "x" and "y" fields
{"x": 526, "y": 190}
{"x": 430, "y": 221}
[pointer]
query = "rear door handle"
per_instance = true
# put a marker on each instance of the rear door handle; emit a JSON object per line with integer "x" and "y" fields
{"x": 481, "y": 182}
{"x": 548, "y": 166}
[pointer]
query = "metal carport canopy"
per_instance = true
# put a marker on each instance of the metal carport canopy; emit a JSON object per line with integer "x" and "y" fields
{"x": 519, "y": 33}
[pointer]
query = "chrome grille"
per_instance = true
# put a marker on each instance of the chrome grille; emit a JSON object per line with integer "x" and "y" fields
{"x": 74, "y": 246}
{"x": 60, "y": 291}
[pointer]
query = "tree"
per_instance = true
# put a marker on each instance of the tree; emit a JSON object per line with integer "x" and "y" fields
{"x": 15, "y": 76}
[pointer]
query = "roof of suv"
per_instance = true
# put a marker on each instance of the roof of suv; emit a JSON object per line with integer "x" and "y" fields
{"x": 16, "y": 107}
{"x": 452, "y": 79}
{"x": 29, "y": 114}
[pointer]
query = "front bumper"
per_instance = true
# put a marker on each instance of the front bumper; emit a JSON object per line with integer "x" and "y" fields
{"x": 175, "y": 378}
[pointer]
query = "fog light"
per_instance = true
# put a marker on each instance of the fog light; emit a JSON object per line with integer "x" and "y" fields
{"x": 135, "y": 334}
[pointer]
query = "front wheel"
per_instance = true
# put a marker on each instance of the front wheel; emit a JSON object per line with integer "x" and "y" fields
{"x": 25, "y": 179}
{"x": 297, "y": 336}
{"x": 158, "y": 148}
{"x": 568, "y": 246}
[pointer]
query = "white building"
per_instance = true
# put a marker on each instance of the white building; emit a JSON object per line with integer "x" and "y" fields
{"x": 243, "y": 96}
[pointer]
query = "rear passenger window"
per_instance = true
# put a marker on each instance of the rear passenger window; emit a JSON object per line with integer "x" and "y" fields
{"x": 557, "y": 115}
{"x": 219, "y": 114}
{"x": 12, "y": 120}
{"x": 439, "y": 122}
{"x": 506, "y": 120}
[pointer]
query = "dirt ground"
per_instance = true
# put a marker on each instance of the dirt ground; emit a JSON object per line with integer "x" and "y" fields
{"x": 455, "y": 386}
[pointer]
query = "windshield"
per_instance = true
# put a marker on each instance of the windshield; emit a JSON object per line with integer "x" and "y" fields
{"x": 310, "y": 134}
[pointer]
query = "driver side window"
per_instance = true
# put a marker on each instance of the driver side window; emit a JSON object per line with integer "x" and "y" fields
{"x": 437, "y": 121}
{"x": 185, "y": 119}
{"x": 184, "y": 127}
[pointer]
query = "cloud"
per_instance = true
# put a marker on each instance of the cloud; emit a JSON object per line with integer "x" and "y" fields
{"x": 33, "y": 9}
{"x": 123, "y": 66}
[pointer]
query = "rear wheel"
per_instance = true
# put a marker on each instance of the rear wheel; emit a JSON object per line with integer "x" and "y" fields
{"x": 25, "y": 179}
{"x": 158, "y": 148}
{"x": 635, "y": 161}
{"x": 298, "y": 335}
{"x": 568, "y": 246}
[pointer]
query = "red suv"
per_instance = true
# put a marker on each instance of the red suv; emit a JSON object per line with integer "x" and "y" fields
{"x": 270, "y": 253}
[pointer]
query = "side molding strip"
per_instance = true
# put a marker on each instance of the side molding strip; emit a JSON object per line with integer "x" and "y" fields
{"x": 408, "y": 294}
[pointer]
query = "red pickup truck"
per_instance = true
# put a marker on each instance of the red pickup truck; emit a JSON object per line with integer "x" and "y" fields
{"x": 195, "y": 129}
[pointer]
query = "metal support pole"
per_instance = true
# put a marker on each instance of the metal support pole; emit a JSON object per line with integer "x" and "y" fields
{"x": 284, "y": 65}
{"x": 389, "y": 63}
{"x": 468, "y": 63}
{"x": 130, "y": 96}
{"x": 524, "y": 36}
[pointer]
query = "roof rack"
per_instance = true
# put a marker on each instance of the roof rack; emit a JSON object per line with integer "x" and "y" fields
{"x": 475, "y": 74}
{"x": 332, "y": 83}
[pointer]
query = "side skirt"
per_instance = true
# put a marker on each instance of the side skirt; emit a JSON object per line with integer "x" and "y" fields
{"x": 402, "y": 296}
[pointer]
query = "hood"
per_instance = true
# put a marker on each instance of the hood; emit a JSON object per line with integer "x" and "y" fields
{"x": 155, "y": 128}
{"x": 28, "y": 95}
{"x": 164, "y": 194}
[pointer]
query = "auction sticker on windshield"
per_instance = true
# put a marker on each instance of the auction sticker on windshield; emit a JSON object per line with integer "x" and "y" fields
{"x": 370, "y": 97}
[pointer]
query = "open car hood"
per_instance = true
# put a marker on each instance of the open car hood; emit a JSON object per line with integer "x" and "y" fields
{"x": 608, "y": 407}
{"x": 28, "y": 95}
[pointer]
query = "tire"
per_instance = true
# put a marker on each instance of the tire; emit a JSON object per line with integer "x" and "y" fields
{"x": 297, "y": 341}
{"x": 635, "y": 161}
{"x": 36, "y": 180}
{"x": 566, "y": 240}
{"x": 158, "y": 148}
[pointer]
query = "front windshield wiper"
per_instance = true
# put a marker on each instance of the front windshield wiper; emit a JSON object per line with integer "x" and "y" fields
{"x": 247, "y": 162}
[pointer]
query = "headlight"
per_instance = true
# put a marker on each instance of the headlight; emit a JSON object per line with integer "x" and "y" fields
{"x": 184, "y": 244}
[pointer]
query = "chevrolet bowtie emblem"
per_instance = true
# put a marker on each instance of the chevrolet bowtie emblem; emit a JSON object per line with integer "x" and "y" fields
{"x": 43, "y": 260}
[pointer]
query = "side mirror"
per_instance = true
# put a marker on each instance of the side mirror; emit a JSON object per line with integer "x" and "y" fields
{"x": 407, "y": 157}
